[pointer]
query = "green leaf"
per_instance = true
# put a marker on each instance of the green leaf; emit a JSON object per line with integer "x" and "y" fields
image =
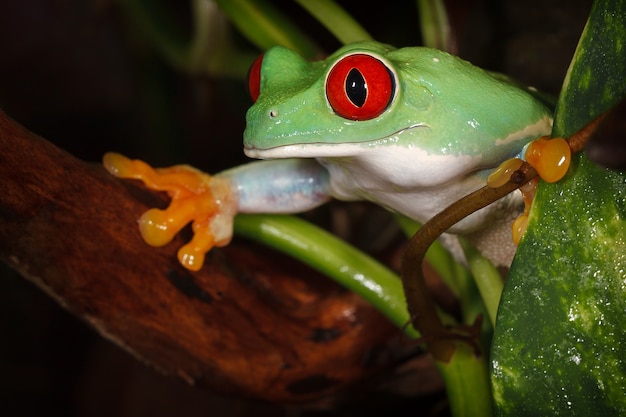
{"x": 559, "y": 346}
{"x": 596, "y": 79}
{"x": 560, "y": 340}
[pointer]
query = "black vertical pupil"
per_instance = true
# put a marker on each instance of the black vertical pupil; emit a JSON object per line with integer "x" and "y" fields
{"x": 356, "y": 87}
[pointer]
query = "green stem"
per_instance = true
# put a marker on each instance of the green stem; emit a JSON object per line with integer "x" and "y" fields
{"x": 487, "y": 278}
{"x": 211, "y": 50}
{"x": 466, "y": 377}
{"x": 435, "y": 26}
{"x": 205, "y": 36}
{"x": 336, "y": 20}
{"x": 264, "y": 25}
{"x": 334, "y": 258}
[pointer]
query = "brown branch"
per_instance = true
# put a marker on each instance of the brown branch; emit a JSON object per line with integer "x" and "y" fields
{"x": 248, "y": 323}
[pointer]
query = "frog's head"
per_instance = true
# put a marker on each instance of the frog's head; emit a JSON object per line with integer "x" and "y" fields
{"x": 370, "y": 95}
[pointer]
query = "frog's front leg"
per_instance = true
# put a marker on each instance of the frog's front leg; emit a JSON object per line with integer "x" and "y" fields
{"x": 279, "y": 186}
{"x": 210, "y": 203}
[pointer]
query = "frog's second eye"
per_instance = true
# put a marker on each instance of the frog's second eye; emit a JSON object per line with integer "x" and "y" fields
{"x": 360, "y": 87}
{"x": 254, "y": 78}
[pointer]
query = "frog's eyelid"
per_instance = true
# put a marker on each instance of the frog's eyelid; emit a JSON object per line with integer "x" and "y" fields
{"x": 254, "y": 78}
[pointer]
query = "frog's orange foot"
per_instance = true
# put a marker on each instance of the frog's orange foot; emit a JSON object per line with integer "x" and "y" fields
{"x": 207, "y": 202}
{"x": 551, "y": 157}
{"x": 520, "y": 224}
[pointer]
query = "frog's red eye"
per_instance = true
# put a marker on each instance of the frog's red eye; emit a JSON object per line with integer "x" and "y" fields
{"x": 254, "y": 78}
{"x": 360, "y": 87}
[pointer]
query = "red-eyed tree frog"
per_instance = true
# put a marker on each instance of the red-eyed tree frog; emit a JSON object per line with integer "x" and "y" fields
{"x": 411, "y": 129}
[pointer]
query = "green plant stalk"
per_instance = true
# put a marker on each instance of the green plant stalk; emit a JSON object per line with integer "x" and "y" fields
{"x": 466, "y": 378}
{"x": 333, "y": 257}
{"x": 211, "y": 50}
{"x": 434, "y": 25}
{"x": 205, "y": 39}
{"x": 487, "y": 278}
{"x": 265, "y": 26}
{"x": 336, "y": 20}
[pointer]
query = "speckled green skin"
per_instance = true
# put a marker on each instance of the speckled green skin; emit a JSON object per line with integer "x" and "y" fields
{"x": 560, "y": 342}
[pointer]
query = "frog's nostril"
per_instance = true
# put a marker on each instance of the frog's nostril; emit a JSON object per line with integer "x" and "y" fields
{"x": 273, "y": 113}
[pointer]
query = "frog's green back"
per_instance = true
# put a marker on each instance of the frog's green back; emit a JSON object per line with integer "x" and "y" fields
{"x": 471, "y": 109}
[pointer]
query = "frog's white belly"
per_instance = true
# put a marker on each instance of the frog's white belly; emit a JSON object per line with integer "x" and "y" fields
{"x": 415, "y": 183}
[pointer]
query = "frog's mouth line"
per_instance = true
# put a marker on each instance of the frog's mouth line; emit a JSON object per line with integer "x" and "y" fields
{"x": 327, "y": 149}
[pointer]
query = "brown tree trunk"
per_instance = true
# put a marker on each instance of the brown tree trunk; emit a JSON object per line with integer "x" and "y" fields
{"x": 250, "y": 323}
